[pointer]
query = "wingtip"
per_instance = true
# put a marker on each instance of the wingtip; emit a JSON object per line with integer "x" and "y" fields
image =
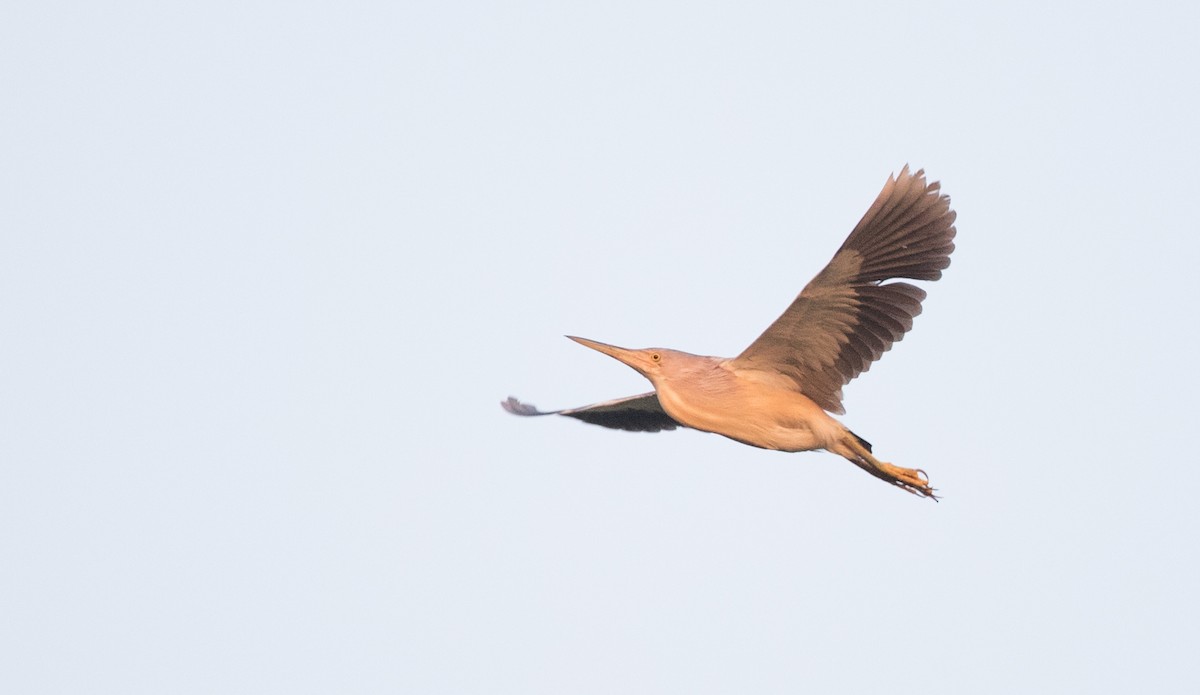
{"x": 906, "y": 172}
{"x": 516, "y": 407}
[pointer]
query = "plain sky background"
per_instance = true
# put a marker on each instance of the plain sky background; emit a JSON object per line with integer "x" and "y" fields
{"x": 267, "y": 269}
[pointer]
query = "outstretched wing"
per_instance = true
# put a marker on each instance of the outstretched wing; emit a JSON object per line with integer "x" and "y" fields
{"x": 845, "y": 319}
{"x": 640, "y": 413}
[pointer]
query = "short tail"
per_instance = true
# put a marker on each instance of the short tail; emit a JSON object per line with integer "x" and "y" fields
{"x": 865, "y": 443}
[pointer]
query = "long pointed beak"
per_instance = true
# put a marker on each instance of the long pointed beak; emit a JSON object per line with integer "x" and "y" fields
{"x": 633, "y": 358}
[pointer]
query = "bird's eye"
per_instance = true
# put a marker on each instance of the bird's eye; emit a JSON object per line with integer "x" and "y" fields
{"x": 655, "y": 357}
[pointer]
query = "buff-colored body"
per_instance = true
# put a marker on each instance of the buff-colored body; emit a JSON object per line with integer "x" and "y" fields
{"x": 758, "y": 408}
{"x": 752, "y": 407}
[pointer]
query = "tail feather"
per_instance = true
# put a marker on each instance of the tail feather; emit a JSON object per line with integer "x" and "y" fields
{"x": 865, "y": 443}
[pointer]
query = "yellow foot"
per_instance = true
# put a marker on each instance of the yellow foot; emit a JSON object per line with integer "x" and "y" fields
{"x": 914, "y": 480}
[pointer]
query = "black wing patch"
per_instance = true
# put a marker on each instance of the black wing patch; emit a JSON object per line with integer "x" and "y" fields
{"x": 640, "y": 413}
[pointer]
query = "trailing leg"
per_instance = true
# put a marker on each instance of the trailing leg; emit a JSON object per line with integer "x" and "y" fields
{"x": 910, "y": 479}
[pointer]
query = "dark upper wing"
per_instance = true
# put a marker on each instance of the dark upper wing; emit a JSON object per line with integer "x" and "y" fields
{"x": 845, "y": 319}
{"x": 640, "y": 413}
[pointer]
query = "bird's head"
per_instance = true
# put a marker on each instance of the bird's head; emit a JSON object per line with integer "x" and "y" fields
{"x": 649, "y": 362}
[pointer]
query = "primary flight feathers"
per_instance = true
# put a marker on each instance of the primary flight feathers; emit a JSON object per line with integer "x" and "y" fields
{"x": 844, "y": 319}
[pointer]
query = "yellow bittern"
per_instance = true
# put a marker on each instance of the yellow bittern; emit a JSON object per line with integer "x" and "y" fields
{"x": 776, "y": 394}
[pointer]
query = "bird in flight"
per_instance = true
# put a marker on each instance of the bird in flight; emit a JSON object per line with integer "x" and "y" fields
{"x": 779, "y": 393}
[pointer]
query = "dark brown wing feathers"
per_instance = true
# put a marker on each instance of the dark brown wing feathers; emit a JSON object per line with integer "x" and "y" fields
{"x": 845, "y": 319}
{"x": 911, "y": 235}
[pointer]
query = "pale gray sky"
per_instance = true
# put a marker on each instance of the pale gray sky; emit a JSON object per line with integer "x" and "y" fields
{"x": 267, "y": 270}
